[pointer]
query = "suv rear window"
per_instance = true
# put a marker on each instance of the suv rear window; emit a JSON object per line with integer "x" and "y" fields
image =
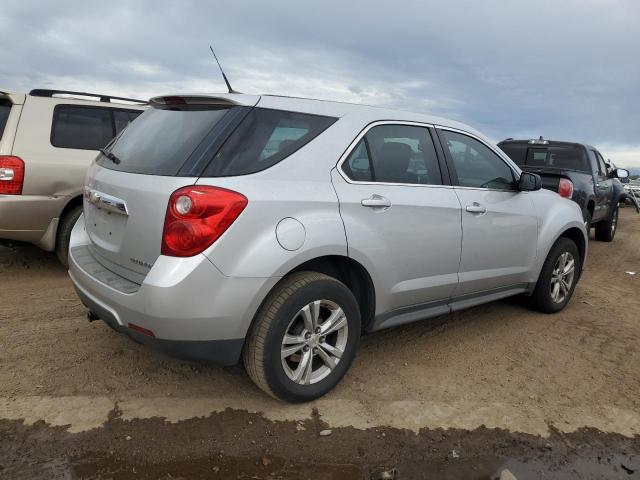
{"x": 567, "y": 157}
{"x": 87, "y": 128}
{"x": 223, "y": 141}
{"x": 5, "y": 108}
{"x": 161, "y": 140}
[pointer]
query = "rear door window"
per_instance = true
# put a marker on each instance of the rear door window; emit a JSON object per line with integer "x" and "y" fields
{"x": 82, "y": 128}
{"x": 395, "y": 154}
{"x": 358, "y": 165}
{"x": 5, "y": 108}
{"x": 264, "y": 138}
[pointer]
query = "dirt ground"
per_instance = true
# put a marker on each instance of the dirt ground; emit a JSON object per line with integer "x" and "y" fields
{"x": 462, "y": 396}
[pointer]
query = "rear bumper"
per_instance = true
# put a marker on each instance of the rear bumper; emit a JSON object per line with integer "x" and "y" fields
{"x": 221, "y": 352}
{"x": 193, "y": 310}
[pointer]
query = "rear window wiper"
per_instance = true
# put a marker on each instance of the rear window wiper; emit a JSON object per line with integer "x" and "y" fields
{"x": 110, "y": 156}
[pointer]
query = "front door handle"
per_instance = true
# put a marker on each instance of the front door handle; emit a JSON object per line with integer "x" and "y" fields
{"x": 476, "y": 208}
{"x": 376, "y": 201}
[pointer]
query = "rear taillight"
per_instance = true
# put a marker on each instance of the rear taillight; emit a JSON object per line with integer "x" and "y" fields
{"x": 197, "y": 216}
{"x": 565, "y": 188}
{"x": 11, "y": 175}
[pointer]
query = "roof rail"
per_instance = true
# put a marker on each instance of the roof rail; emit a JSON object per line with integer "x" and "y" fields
{"x": 41, "y": 92}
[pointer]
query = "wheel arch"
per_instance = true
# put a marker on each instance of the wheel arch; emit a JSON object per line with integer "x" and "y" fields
{"x": 71, "y": 204}
{"x": 577, "y": 236}
{"x": 345, "y": 269}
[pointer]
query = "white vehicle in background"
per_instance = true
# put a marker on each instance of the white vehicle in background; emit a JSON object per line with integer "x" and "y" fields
{"x": 632, "y": 191}
{"x": 47, "y": 140}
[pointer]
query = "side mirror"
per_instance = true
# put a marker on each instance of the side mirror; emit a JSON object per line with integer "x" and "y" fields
{"x": 529, "y": 182}
{"x": 621, "y": 173}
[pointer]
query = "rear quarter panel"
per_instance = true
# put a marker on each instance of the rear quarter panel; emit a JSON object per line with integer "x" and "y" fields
{"x": 298, "y": 187}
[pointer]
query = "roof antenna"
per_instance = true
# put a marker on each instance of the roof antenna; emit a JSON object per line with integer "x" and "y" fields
{"x": 231, "y": 90}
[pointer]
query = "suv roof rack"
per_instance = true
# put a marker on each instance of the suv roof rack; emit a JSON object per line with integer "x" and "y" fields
{"x": 41, "y": 92}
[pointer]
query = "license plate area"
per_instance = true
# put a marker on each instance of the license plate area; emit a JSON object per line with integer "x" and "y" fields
{"x": 106, "y": 229}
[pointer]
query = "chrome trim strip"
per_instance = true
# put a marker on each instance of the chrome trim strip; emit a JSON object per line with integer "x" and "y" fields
{"x": 104, "y": 201}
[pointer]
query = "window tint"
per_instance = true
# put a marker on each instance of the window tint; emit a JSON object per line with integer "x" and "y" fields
{"x": 516, "y": 152}
{"x": 395, "y": 154}
{"x": 476, "y": 164}
{"x": 358, "y": 166}
{"x": 565, "y": 157}
{"x": 122, "y": 118}
{"x": 84, "y": 128}
{"x": 161, "y": 140}
{"x": 5, "y": 108}
{"x": 594, "y": 161}
{"x": 601, "y": 165}
{"x": 264, "y": 138}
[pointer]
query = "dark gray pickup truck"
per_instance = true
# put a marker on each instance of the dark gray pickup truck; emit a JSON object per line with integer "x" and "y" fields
{"x": 575, "y": 171}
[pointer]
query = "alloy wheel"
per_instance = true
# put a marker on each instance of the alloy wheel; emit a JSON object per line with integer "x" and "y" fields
{"x": 562, "y": 277}
{"x": 314, "y": 342}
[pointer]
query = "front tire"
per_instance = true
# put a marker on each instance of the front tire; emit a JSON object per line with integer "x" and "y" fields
{"x": 558, "y": 277}
{"x": 606, "y": 230}
{"x": 304, "y": 337}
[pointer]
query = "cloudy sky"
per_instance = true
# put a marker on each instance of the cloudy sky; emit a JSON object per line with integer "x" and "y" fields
{"x": 565, "y": 69}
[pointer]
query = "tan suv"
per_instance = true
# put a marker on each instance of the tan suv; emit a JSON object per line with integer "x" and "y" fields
{"x": 47, "y": 140}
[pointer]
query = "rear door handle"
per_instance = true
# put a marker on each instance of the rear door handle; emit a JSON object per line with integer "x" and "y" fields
{"x": 476, "y": 208}
{"x": 376, "y": 201}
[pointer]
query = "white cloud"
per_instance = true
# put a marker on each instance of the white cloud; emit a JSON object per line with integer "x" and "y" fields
{"x": 626, "y": 156}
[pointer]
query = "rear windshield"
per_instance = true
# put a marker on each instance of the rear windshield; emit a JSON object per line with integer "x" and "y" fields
{"x": 5, "y": 108}
{"x": 553, "y": 156}
{"x": 160, "y": 140}
{"x": 220, "y": 142}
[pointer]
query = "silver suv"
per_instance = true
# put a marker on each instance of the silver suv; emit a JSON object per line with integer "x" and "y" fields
{"x": 277, "y": 230}
{"x": 47, "y": 140}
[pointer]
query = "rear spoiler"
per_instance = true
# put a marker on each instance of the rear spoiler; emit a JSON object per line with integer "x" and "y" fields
{"x": 222, "y": 100}
{"x": 15, "y": 98}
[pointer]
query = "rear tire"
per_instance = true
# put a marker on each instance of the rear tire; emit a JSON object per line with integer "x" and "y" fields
{"x": 64, "y": 234}
{"x": 545, "y": 297}
{"x": 285, "y": 338}
{"x": 606, "y": 230}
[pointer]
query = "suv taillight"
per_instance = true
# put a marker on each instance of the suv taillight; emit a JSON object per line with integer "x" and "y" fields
{"x": 197, "y": 216}
{"x": 565, "y": 188}
{"x": 11, "y": 175}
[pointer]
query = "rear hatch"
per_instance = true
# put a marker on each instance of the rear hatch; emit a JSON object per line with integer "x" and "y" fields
{"x": 551, "y": 161}
{"x": 128, "y": 187}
